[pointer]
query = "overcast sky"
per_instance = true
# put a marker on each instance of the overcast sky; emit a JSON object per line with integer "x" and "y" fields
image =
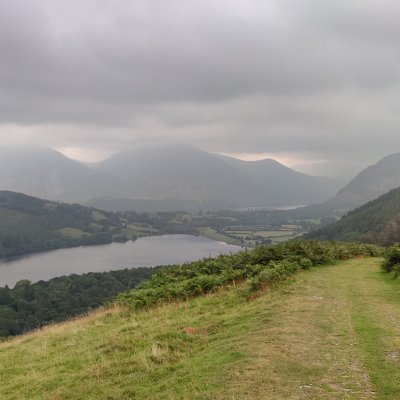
{"x": 301, "y": 80}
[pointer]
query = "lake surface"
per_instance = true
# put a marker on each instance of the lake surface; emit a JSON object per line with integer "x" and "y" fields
{"x": 148, "y": 252}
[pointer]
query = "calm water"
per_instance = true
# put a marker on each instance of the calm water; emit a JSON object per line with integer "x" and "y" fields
{"x": 149, "y": 251}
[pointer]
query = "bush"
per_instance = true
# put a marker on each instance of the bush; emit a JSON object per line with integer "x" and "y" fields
{"x": 264, "y": 265}
{"x": 392, "y": 258}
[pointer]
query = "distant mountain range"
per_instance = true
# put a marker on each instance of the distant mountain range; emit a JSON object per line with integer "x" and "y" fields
{"x": 377, "y": 222}
{"x": 183, "y": 175}
{"x": 46, "y": 173}
{"x": 159, "y": 177}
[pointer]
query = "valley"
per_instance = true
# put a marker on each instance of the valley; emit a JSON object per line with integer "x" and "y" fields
{"x": 31, "y": 225}
{"x": 149, "y": 251}
{"x": 199, "y": 200}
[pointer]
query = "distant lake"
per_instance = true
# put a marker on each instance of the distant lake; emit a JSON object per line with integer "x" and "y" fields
{"x": 144, "y": 252}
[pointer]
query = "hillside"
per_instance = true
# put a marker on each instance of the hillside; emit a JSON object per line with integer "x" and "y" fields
{"x": 276, "y": 183}
{"x": 369, "y": 184}
{"x": 375, "y": 222}
{"x": 192, "y": 178}
{"x": 30, "y": 224}
{"x": 29, "y": 306}
{"x": 46, "y": 173}
{"x": 309, "y": 338}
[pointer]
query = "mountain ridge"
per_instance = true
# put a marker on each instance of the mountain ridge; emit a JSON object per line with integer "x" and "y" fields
{"x": 43, "y": 172}
{"x": 372, "y": 182}
{"x": 157, "y": 177}
{"x": 188, "y": 173}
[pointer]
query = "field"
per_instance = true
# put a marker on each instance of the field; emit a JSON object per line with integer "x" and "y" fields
{"x": 211, "y": 233}
{"x": 72, "y": 233}
{"x": 329, "y": 333}
{"x": 243, "y": 236}
{"x": 252, "y": 237}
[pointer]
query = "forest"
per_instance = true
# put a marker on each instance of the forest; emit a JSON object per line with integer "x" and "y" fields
{"x": 31, "y": 305}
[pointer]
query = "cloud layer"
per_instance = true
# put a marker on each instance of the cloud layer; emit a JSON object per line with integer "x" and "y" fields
{"x": 309, "y": 78}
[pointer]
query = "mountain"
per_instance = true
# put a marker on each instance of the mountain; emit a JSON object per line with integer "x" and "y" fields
{"x": 157, "y": 178}
{"x": 176, "y": 174}
{"x": 29, "y": 224}
{"x": 285, "y": 182}
{"x": 46, "y": 173}
{"x": 369, "y": 184}
{"x": 377, "y": 222}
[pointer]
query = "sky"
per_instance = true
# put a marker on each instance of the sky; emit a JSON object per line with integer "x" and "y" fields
{"x": 312, "y": 83}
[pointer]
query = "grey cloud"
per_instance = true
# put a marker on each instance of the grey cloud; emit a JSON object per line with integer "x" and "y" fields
{"x": 240, "y": 76}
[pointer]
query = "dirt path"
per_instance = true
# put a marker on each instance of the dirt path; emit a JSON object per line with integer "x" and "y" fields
{"x": 332, "y": 334}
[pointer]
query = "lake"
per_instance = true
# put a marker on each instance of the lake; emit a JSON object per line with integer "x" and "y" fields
{"x": 148, "y": 252}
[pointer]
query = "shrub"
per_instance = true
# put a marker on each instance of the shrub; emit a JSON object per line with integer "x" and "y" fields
{"x": 264, "y": 265}
{"x": 392, "y": 258}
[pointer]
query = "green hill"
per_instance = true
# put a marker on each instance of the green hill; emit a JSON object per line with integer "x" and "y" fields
{"x": 315, "y": 336}
{"x": 29, "y": 224}
{"x": 375, "y": 222}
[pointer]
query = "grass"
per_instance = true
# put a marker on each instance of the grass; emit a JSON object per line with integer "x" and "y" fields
{"x": 331, "y": 333}
{"x": 378, "y": 329}
{"x": 250, "y": 237}
{"x": 72, "y": 233}
{"x": 177, "y": 351}
{"x": 98, "y": 215}
{"x": 142, "y": 228}
{"x": 211, "y": 233}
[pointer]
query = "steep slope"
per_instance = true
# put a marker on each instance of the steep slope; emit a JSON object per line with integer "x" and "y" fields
{"x": 184, "y": 173}
{"x": 46, "y": 173}
{"x": 369, "y": 184}
{"x": 375, "y": 222}
{"x": 30, "y": 224}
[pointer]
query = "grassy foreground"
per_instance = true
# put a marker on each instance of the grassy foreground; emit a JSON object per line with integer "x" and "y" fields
{"x": 329, "y": 333}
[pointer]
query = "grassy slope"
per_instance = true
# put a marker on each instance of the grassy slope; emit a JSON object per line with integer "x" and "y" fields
{"x": 378, "y": 222}
{"x": 331, "y": 333}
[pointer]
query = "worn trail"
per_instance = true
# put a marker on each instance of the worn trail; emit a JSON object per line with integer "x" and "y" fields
{"x": 332, "y": 334}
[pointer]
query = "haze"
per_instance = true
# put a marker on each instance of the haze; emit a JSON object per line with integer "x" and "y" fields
{"x": 312, "y": 83}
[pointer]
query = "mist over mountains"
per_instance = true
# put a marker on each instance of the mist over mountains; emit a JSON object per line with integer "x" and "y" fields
{"x": 46, "y": 173}
{"x": 180, "y": 177}
{"x": 369, "y": 184}
{"x": 171, "y": 177}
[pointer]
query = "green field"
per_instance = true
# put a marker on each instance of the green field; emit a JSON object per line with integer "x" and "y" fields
{"x": 72, "y": 233}
{"x": 214, "y": 235}
{"x": 253, "y": 237}
{"x": 330, "y": 333}
{"x": 98, "y": 215}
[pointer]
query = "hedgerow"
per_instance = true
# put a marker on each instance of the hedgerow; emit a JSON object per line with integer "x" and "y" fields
{"x": 262, "y": 266}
